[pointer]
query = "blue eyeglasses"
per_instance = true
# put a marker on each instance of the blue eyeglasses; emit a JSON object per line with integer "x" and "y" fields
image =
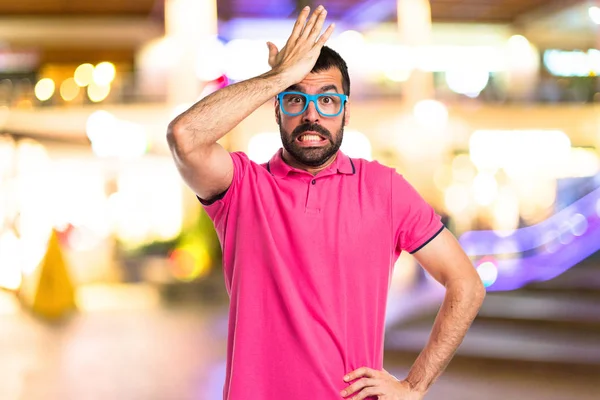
{"x": 327, "y": 104}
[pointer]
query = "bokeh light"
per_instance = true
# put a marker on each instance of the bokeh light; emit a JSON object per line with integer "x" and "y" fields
{"x": 189, "y": 262}
{"x": 485, "y": 189}
{"x": 578, "y": 224}
{"x": 104, "y": 73}
{"x": 357, "y": 145}
{"x": 431, "y": 114}
{"x": 84, "y": 74}
{"x": 488, "y": 272}
{"x": 457, "y": 198}
{"x": 469, "y": 82}
{"x": 262, "y": 146}
{"x": 211, "y": 59}
{"x": 69, "y": 89}
{"x": 44, "y": 89}
{"x": 97, "y": 93}
{"x": 10, "y": 261}
{"x": 594, "y": 13}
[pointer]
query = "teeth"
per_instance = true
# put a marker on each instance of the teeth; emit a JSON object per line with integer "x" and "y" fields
{"x": 304, "y": 138}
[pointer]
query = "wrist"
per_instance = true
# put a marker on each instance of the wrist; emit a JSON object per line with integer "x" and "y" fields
{"x": 281, "y": 79}
{"x": 416, "y": 385}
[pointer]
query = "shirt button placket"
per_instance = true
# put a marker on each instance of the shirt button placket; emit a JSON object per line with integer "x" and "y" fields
{"x": 311, "y": 203}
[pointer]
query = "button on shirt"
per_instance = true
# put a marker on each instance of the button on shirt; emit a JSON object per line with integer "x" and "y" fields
{"x": 307, "y": 262}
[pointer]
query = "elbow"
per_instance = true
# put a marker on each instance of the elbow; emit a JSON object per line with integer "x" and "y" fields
{"x": 174, "y": 133}
{"x": 178, "y": 139}
{"x": 479, "y": 290}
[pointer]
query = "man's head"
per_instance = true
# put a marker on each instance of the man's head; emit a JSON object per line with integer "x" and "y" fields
{"x": 310, "y": 137}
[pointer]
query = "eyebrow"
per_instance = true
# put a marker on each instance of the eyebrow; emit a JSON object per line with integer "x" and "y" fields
{"x": 298, "y": 88}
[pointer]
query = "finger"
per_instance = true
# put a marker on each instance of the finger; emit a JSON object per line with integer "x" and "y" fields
{"x": 368, "y": 392}
{"x": 316, "y": 30}
{"x": 272, "y": 51}
{"x": 325, "y": 36}
{"x": 358, "y": 385}
{"x": 299, "y": 25}
{"x": 311, "y": 22}
{"x": 360, "y": 372}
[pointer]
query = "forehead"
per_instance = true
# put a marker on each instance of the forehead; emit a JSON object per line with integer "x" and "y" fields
{"x": 313, "y": 82}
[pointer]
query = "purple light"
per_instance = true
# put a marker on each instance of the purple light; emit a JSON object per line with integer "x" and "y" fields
{"x": 559, "y": 243}
{"x": 479, "y": 243}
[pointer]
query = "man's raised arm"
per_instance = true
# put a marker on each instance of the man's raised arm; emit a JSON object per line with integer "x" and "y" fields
{"x": 192, "y": 136}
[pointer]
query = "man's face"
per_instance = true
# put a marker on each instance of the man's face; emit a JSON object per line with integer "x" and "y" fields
{"x": 310, "y": 138}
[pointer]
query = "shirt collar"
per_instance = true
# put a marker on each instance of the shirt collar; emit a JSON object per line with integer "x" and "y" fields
{"x": 341, "y": 165}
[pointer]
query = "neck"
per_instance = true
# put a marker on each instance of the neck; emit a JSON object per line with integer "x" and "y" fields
{"x": 292, "y": 162}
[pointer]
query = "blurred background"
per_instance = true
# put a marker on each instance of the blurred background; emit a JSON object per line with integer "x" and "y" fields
{"x": 110, "y": 277}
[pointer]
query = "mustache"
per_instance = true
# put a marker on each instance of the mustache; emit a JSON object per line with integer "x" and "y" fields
{"x": 300, "y": 129}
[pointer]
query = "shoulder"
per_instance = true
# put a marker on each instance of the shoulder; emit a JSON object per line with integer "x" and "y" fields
{"x": 373, "y": 170}
{"x": 242, "y": 162}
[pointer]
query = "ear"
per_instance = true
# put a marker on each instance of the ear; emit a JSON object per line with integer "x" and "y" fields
{"x": 347, "y": 111}
{"x": 276, "y": 104}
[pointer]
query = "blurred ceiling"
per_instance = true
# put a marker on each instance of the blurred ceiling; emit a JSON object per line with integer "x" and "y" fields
{"x": 78, "y": 30}
{"x": 64, "y": 8}
{"x": 370, "y": 10}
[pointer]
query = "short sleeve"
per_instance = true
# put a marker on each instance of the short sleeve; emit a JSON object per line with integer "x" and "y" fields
{"x": 415, "y": 222}
{"x": 218, "y": 209}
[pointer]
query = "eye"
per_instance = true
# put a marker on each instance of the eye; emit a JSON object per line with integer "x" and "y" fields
{"x": 326, "y": 99}
{"x": 295, "y": 99}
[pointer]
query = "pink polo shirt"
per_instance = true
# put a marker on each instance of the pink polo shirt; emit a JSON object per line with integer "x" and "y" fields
{"x": 307, "y": 263}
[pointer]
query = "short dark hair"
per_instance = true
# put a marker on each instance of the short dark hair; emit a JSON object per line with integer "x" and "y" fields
{"x": 330, "y": 58}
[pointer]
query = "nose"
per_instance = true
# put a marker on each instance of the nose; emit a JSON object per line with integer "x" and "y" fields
{"x": 311, "y": 114}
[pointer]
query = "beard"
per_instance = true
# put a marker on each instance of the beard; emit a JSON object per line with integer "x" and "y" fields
{"x": 311, "y": 156}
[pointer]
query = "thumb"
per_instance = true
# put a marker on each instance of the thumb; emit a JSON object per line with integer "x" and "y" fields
{"x": 272, "y": 50}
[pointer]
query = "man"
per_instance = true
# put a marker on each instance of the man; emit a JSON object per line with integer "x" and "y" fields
{"x": 310, "y": 238}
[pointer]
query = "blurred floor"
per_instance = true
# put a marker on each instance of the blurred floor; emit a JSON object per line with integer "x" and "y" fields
{"x": 178, "y": 353}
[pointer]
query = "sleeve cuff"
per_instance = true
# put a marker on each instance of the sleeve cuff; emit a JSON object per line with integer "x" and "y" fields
{"x": 428, "y": 240}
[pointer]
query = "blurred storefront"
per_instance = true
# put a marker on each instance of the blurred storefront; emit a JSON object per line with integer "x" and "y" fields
{"x": 508, "y": 113}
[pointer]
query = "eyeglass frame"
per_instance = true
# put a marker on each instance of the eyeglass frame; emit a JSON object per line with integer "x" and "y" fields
{"x": 313, "y": 98}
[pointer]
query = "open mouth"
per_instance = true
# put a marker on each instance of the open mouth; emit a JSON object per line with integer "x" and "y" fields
{"x": 311, "y": 138}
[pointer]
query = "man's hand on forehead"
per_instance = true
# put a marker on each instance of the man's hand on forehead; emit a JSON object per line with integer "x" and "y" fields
{"x": 299, "y": 55}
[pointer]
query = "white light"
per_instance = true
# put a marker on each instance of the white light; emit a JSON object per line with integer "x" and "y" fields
{"x": 520, "y": 152}
{"x": 594, "y": 13}
{"x": 351, "y": 37}
{"x": 398, "y": 75}
{"x": 485, "y": 189}
{"x": 97, "y": 93}
{"x": 457, "y": 198}
{"x": 104, "y": 73}
{"x": 10, "y": 261}
{"x": 100, "y": 123}
{"x": 506, "y": 213}
{"x": 550, "y": 240}
{"x": 572, "y": 63}
{"x": 211, "y": 59}
{"x": 578, "y": 224}
{"x": 44, "y": 89}
{"x": 565, "y": 234}
{"x": 357, "y": 145}
{"x": 245, "y": 59}
{"x": 469, "y": 82}
{"x": 69, "y": 89}
{"x": 463, "y": 169}
{"x": 431, "y": 114}
{"x": 84, "y": 74}
{"x": 180, "y": 109}
{"x": 263, "y": 146}
{"x": 583, "y": 163}
{"x": 518, "y": 41}
{"x": 488, "y": 272}
{"x": 112, "y": 137}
